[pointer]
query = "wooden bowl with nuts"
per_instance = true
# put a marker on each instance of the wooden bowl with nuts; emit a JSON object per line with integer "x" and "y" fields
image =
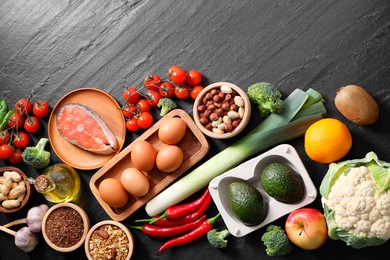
{"x": 109, "y": 239}
{"x": 15, "y": 191}
{"x": 65, "y": 227}
{"x": 222, "y": 110}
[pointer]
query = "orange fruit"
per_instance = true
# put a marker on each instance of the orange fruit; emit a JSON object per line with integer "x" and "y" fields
{"x": 327, "y": 140}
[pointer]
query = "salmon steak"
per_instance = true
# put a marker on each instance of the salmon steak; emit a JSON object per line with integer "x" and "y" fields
{"x": 82, "y": 126}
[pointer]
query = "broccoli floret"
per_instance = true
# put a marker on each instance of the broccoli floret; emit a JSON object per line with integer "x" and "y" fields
{"x": 166, "y": 105}
{"x": 36, "y": 156}
{"x": 276, "y": 241}
{"x": 217, "y": 238}
{"x": 267, "y": 97}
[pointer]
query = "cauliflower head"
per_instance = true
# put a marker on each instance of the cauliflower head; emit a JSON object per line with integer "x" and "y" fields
{"x": 355, "y": 196}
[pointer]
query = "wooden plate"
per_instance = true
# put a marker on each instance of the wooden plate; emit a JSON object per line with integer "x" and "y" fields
{"x": 193, "y": 144}
{"x": 107, "y": 108}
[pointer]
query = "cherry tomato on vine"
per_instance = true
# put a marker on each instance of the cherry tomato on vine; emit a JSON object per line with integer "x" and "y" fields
{"x": 15, "y": 121}
{"x": 129, "y": 110}
{"x": 32, "y": 124}
{"x": 167, "y": 89}
{"x": 177, "y": 74}
{"x": 145, "y": 120}
{"x": 23, "y": 106}
{"x": 152, "y": 81}
{"x": 182, "y": 92}
{"x": 195, "y": 91}
{"x": 132, "y": 125}
{"x": 143, "y": 105}
{"x": 21, "y": 140}
{"x": 15, "y": 157}
{"x": 5, "y": 136}
{"x": 131, "y": 95}
{"x": 40, "y": 108}
{"x": 5, "y": 151}
{"x": 153, "y": 96}
{"x": 194, "y": 78}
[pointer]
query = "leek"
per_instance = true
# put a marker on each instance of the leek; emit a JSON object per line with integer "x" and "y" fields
{"x": 301, "y": 109}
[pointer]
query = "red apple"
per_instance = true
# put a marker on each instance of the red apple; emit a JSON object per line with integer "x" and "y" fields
{"x": 306, "y": 228}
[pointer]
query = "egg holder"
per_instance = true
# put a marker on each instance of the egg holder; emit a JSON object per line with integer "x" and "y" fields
{"x": 250, "y": 171}
{"x": 194, "y": 146}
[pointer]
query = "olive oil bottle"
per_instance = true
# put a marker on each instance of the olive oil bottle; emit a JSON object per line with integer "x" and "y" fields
{"x": 58, "y": 183}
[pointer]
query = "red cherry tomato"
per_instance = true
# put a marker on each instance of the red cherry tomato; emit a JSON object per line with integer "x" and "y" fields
{"x": 15, "y": 157}
{"x": 195, "y": 91}
{"x": 21, "y": 140}
{"x": 194, "y": 78}
{"x": 32, "y": 124}
{"x": 5, "y": 151}
{"x": 152, "y": 81}
{"x": 177, "y": 75}
{"x": 153, "y": 96}
{"x": 40, "y": 108}
{"x": 23, "y": 106}
{"x": 182, "y": 92}
{"x": 143, "y": 105}
{"x": 5, "y": 136}
{"x": 145, "y": 120}
{"x": 131, "y": 95}
{"x": 15, "y": 121}
{"x": 129, "y": 110}
{"x": 132, "y": 125}
{"x": 167, "y": 89}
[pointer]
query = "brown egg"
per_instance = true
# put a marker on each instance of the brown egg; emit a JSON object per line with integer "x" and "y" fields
{"x": 135, "y": 182}
{"x": 172, "y": 130}
{"x": 169, "y": 158}
{"x": 143, "y": 156}
{"x": 112, "y": 192}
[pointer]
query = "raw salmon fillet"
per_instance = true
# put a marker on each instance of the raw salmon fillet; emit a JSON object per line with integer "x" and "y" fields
{"x": 83, "y": 127}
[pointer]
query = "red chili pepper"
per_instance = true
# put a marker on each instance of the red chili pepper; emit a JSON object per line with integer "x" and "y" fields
{"x": 165, "y": 222}
{"x": 178, "y": 211}
{"x": 198, "y": 232}
{"x": 156, "y": 231}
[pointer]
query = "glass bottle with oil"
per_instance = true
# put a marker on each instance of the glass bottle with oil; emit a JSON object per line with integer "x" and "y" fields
{"x": 58, "y": 183}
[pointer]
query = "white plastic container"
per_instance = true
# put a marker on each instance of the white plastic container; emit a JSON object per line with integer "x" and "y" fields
{"x": 250, "y": 172}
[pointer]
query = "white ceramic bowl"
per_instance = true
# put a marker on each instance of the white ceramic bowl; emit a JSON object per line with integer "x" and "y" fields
{"x": 250, "y": 172}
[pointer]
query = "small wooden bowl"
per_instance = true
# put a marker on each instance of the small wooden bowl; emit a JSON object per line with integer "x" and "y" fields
{"x": 239, "y": 128}
{"x": 28, "y": 189}
{"x": 86, "y": 226}
{"x": 102, "y": 224}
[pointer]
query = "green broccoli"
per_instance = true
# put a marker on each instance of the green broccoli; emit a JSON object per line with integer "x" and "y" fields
{"x": 276, "y": 241}
{"x": 166, "y": 105}
{"x": 267, "y": 97}
{"x": 217, "y": 238}
{"x": 36, "y": 156}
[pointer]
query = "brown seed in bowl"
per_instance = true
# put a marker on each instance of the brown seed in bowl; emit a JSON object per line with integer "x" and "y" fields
{"x": 64, "y": 227}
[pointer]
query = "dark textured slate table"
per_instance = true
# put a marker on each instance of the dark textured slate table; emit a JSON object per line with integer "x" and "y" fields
{"x": 56, "y": 46}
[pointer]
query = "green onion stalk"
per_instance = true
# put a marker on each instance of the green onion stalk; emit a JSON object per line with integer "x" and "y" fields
{"x": 301, "y": 109}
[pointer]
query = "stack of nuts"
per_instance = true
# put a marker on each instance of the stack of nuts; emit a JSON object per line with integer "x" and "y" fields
{"x": 12, "y": 189}
{"x": 221, "y": 110}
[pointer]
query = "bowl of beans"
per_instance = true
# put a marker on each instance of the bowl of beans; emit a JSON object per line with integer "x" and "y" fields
{"x": 109, "y": 239}
{"x": 222, "y": 110}
{"x": 15, "y": 191}
{"x": 65, "y": 227}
